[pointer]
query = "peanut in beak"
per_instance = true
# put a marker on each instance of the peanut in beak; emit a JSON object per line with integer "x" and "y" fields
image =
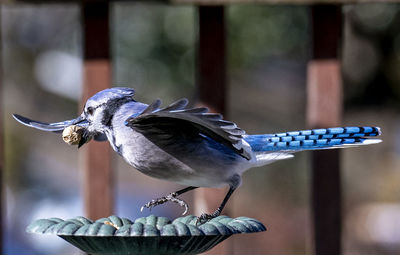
{"x": 72, "y": 135}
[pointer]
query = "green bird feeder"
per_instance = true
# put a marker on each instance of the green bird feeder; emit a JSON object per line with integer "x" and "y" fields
{"x": 145, "y": 236}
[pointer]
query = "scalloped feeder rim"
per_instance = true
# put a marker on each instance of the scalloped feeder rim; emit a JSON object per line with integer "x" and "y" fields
{"x": 146, "y": 235}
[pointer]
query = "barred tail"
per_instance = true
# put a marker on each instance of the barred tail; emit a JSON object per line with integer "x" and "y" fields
{"x": 314, "y": 139}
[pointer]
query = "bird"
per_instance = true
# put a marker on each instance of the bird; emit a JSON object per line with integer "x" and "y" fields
{"x": 190, "y": 145}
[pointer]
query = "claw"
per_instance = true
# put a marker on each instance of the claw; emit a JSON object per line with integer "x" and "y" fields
{"x": 171, "y": 197}
{"x": 186, "y": 209}
{"x": 205, "y": 217}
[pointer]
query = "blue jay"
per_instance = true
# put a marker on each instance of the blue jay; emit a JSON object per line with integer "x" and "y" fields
{"x": 191, "y": 146}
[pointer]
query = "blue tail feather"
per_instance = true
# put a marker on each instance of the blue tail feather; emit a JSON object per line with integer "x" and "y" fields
{"x": 313, "y": 139}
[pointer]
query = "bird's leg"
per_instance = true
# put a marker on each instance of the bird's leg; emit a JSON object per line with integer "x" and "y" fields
{"x": 170, "y": 197}
{"x": 206, "y": 217}
{"x": 232, "y": 187}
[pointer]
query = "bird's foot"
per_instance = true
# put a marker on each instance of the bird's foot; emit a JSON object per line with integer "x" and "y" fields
{"x": 171, "y": 197}
{"x": 205, "y": 217}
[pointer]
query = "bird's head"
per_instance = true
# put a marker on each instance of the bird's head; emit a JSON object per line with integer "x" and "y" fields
{"x": 95, "y": 118}
{"x": 99, "y": 111}
{"x": 100, "y": 108}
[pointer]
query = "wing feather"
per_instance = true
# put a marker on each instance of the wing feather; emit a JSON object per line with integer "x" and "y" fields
{"x": 177, "y": 118}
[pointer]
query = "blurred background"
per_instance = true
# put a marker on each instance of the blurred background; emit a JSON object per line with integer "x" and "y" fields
{"x": 153, "y": 49}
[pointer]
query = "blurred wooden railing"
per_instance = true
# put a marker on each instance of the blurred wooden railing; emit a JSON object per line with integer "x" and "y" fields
{"x": 324, "y": 109}
{"x": 2, "y": 150}
{"x": 323, "y": 89}
{"x": 98, "y": 177}
{"x": 211, "y": 87}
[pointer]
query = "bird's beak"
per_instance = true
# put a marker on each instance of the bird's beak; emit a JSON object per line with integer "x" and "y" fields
{"x": 86, "y": 137}
{"x": 51, "y": 127}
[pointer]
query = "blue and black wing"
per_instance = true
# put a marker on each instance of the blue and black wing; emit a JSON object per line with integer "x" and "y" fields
{"x": 178, "y": 123}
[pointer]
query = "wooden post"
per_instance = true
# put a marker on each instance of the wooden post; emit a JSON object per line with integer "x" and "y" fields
{"x": 98, "y": 177}
{"x": 211, "y": 69}
{"x": 2, "y": 198}
{"x": 211, "y": 85}
{"x": 324, "y": 109}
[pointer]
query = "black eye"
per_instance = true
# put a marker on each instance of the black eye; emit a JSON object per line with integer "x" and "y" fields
{"x": 90, "y": 110}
